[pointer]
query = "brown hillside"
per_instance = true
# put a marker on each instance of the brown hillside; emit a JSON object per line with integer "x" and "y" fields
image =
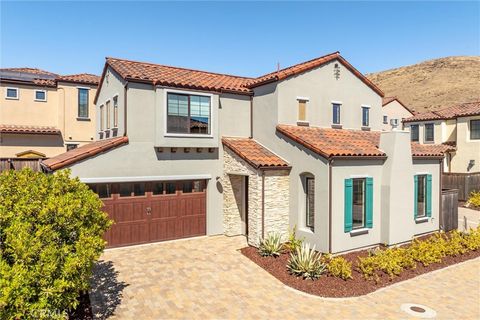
{"x": 433, "y": 84}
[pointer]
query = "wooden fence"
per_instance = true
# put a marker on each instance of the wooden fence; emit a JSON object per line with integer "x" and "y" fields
{"x": 449, "y": 214}
{"x": 19, "y": 163}
{"x": 464, "y": 182}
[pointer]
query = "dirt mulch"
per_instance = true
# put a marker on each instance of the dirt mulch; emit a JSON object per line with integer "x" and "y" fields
{"x": 329, "y": 286}
{"x": 84, "y": 310}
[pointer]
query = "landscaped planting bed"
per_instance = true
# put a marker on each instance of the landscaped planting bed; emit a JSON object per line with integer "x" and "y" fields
{"x": 374, "y": 269}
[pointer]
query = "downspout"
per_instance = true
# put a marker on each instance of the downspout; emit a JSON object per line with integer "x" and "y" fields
{"x": 251, "y": 117}
{"x": 125, "y": 88}
{"x": 330, "y": 163}
{"x": 263, "y": 204}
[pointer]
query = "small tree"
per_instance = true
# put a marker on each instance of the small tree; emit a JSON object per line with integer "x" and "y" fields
{"x": 51, "y": 229}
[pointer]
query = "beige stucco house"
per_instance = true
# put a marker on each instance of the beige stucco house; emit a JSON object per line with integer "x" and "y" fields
{"x": 43, "y": 114}
{"x": 394, "y": 111}
{"x": 457, "y": 127}
{"x": 183, "y": 153}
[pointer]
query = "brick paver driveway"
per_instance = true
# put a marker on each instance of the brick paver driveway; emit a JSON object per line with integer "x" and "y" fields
{"x": 208, "y": 278}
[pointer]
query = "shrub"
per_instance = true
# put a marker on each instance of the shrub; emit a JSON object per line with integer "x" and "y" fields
{"x": 474, "y": 199}
{"x": 51, "y": 229}
{"x": 429, "y": 251}
{"x": 293, "y": 242}
{"x": 472, "y": 239}
{"x": 339, "y": 267}
{"x": 306, "y": 262}
{"x": 271, "y": 245}
{"x": 391, "y": 261}
{"x": 454, "y": 244}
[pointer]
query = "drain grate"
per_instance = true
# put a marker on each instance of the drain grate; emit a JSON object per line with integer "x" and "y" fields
{"x": 418, "y": 310}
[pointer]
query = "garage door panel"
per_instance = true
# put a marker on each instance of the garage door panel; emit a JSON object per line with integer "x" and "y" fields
{"x": 130, "y": 212}
{"x": 132, "y": 233}
{"x": 164, "y": 229}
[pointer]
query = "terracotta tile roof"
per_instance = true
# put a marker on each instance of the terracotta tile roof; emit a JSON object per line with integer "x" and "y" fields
{"x": 45, "y": 82}
{"x": 351, "y": 143}
{"x": 387, "y": 100}
{"x": 459, "y": 110}
{"x": 18, "y": 129}
{"x": 309, "y": 65}
{"x": 335, "y": 142}
{"x": 83, "y": 152}
{"x": 80, "y": 78}
{"x": 30, "y": 70}
{"x": 254, "y": 153}
{"x": 178, "y": 77}
{"x": 429, "y": 150}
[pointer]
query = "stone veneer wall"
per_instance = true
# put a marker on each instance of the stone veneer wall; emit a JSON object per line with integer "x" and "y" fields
{"x": 276, "y": 198}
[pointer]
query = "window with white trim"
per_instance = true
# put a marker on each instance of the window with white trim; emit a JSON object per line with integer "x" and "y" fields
{"x": 365, "y": 116}
{"x": 429, "y": 132}
{"x": 102, "y": 119}
{"x": 115, "y": 112}
{"x": 82, "y": 103}
{"x": 11, "y": 93}
{"x": 336, "y": 113}
{"x": 188, "y": 114}
{"x": 107, "y": 107}
{"x": 41, "y": 95}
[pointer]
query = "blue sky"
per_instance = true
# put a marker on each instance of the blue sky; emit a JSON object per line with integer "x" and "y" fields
{"x": 247, "y": 38}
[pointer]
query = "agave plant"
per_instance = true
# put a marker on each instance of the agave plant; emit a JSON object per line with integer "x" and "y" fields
{"x": 271, "y": 245}
{"x": 306, "y": 262}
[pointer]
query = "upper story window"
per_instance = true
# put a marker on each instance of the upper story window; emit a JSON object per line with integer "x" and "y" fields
{"x": 188, "y": 114}
{"x": 475, "y": 129}
{"x": 11, "y": 93}
{"x": 429, "y": 132}
{"x": 82, "y": 103}
{"x": 414, "y": 133}
{"x": 365, "y": 116}
{"x": 302, "y": 109}
{"x": 115, "y": 112}
{"x": 40, "y": 95}
{"x": 107, "y": 106}
{"x": 102, "y": 118}
{"x": 385, "y": 119}
{"x": 336, "y": 113}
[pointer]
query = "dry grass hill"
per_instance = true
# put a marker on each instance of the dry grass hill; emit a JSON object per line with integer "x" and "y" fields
{"x": 434, "y": 84}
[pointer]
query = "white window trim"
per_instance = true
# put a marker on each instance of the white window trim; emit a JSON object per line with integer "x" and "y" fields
{"x": 340, "y": 115}
{"x": 86, "y": 88}
{"x": 40, "y": 100}
{"x": 113, "y": 113}
{"x": 337, "y": 102}
{"x": 303, "y": 99}
{"x": 368, "y": 107}
{"x": 359, "y": 176}
{"x": 12, "y": 88}
{"x": 425, "y": 132}
{"x": 187, "y": 135}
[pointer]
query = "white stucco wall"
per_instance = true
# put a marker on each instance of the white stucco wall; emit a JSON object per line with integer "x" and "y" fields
{"x": 394, "y": 110}
{"x": 467, "y": 149}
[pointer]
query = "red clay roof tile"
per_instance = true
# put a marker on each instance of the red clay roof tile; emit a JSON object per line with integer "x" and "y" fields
{"x": 459, "y": 110}
{"x": 254, "y": 153}
{"x": 83, "y": 152}
{"x": 430, "y": 150}
{"x": 86, "y": 78}
{"x": 21, "y": 129}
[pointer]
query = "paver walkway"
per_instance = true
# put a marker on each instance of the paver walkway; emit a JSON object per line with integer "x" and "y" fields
{"x": 208, "y": 278}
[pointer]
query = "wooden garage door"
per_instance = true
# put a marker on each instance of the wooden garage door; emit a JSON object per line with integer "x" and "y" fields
{"x": 153, "y": 211}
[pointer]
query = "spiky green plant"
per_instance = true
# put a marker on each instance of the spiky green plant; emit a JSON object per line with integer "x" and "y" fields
{"x": 293, "y": 242}
{"x": 271, "y": 245}
{"x": 305, "y": 262}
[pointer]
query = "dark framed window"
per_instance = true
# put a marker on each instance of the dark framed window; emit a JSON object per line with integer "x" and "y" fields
{"x": 414, "y": 133}
{"x": 71, "y": 146}
{"x": 107, "y": 107}
{"x": 170, "y": 187}
{"x": 12, "y": 93}
{"x": 40, "y": 95}
{"x": 365, "y": 116}
{"x": 102, "y": 118}
{"x": 188, "y": 114}
{"x": 82, "y": 103}
{"x": 359, "y": 203}
{"x": 475, "y": 129}
{"x": 103, "y": 190}
{"x": 385, "y": 119}
{"x": 421, "y": 196}
{"x": 310, "y": 202}
{"x": 157, "y": 188}
{"x": 336, "y": 113}
{"x": 115, "y": 112}
{"x": 429, "y": 132}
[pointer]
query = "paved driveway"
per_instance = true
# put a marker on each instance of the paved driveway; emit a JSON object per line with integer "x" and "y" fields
{"x": 208, "y": 278}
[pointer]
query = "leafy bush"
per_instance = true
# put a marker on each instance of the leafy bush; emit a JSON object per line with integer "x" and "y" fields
{"x": 271, "y": 245}
{"x": 429, "y": 251}
{"x": 306, "y": 262}
{"x": 391, "y": 261}
{"x": 293, "y": 242}
{"x": 472, "y": 239}
{"x": 474, "y": 199}
{"x": 454, "y": 244}
{"x": 339, "y": 267}
{"x": 51, "y": 229}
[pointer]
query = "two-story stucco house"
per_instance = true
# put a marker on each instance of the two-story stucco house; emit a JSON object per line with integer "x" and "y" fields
{"x": 43, "y": 114}
{"x": 182, "y": 153}
{"x": 458, "y": 127}
{"x": 394, "y": 111}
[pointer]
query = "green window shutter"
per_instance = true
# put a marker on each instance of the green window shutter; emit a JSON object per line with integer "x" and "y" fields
{"x": 369, "y": 203}
{"x": 348, "y": 205}
{"x": 415, "y": 197}
{"x": 429, "y": 195}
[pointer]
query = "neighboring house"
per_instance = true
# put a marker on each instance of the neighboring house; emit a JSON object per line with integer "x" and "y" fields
{"x": 197, "y": 153}
{"x": 457, "y": 127}
{"x": 43, "y": 114}
{"x": 394, "y": 111}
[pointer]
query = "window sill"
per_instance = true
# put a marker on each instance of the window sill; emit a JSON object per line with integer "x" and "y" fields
{"x": 11, "y": 98}
{"x": 365, "y": 128}
{"x": 421, "y": 220}
{"x": 303, "y": 123}
{"x": 39, "y": 100}
{"x": 306, "y": 229}
{"x": 83, "y": 119}
{"x": 337, "y": 126}
{"x": 428, "y": 142}
{"x": 358, "y": 232}
{"x": 186, "y": 135}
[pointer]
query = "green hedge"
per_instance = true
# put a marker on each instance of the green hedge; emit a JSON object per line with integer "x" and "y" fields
{"x": 51, "y": 229}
